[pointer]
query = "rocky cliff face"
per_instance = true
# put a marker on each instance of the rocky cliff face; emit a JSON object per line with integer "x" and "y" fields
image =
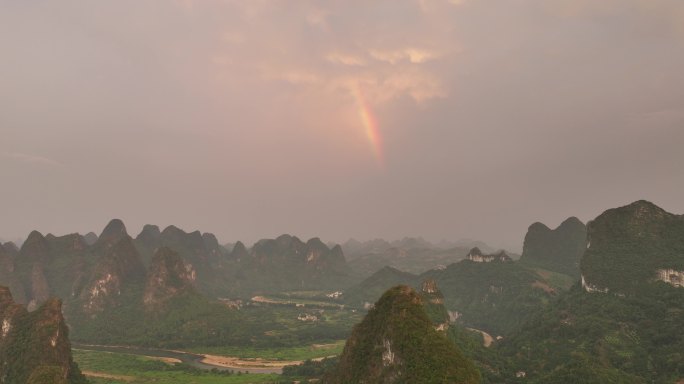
{"x": 35, "y": 345}
{"x": 558, "y": 250}
{"x": 168, "y": 277}
{"x": 119, "y": 268}
{"x": 397, "y": 343}
{"x": 475, "y": 255}
{"x": 670, "y": 276}
{"x": 433, "y": 301}
{"x": 631, "y": 246}
{"x": 40, "y": 290}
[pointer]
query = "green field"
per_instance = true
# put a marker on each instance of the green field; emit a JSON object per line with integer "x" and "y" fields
{"x": 293, "y": 300}
{"x": 131, "y": 369}
{"x": 289, "y": 353}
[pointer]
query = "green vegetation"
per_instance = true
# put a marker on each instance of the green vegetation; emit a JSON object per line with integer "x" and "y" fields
{"x": 370, "y": 290}
{"x": 310, "y": 369}
{"x": 288, "y": 299}
{"x": 47, "y": 375}
{"x": 433, "y": 303}
{"x": 196, "y": 322}
{"x": 397, "y": 341}
{"x": 557, "y": 281}
{"x": 138, "y": 370}
{"x": 495, "y": 297}
{"x": 553, "y": 331}
{"x": 34, "y": 346}
{"x": 628, "y": 245}
{"x": 284, "y": 264}
{"x": 639, "y": 336}
{"x": 492, "y": 366}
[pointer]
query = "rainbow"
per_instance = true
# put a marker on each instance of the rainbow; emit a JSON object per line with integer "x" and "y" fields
{"x": 370, "y": 125}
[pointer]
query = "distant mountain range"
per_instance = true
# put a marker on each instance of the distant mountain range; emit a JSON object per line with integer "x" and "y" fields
{"x": 115, "y": 279}
{"x": 67, "y": 266}
{"x": 409, "y": 254}
{"x": 601, "y": 303}
{"x": 494, "y": 296}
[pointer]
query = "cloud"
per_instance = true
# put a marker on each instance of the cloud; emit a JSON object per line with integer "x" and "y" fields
{"x": 469, "y": 95}
{"x": 346, "y": 59}
{"x": 412, "y": 55}
{"x": 325, "y": 48}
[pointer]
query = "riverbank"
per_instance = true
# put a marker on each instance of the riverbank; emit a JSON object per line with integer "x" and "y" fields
{"x": 196, "y": 360}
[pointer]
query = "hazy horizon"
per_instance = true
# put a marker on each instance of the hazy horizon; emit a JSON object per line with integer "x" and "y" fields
{"x": 133, "y": 231}
{"x": 446, "y": 119}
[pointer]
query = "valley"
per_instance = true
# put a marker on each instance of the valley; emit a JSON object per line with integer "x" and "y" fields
{"x": 144, "y": 310}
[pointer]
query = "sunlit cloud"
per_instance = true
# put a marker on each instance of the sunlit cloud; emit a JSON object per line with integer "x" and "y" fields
{"x": 326, "y": 58}
{"x": 345, "y": 59}
{"x": 412, "y": 55}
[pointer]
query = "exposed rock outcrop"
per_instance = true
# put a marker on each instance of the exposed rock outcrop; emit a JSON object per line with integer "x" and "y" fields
{"x": 670, "y": 276}
{"x": 433, "y": 300}
{"x": 167, "y": 277}
{"x": 40, "y": 290}
{"x": 118, "y": 269}
{"x": 475, "y": 255}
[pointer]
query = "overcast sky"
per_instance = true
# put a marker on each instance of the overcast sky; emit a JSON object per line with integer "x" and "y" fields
{"x": 338, "y": 119}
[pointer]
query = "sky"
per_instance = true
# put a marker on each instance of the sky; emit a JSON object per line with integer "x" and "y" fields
{"x": 447, "y": 119}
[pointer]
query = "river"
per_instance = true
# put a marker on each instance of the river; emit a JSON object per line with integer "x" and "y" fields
{"x": 191, "y": 359}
